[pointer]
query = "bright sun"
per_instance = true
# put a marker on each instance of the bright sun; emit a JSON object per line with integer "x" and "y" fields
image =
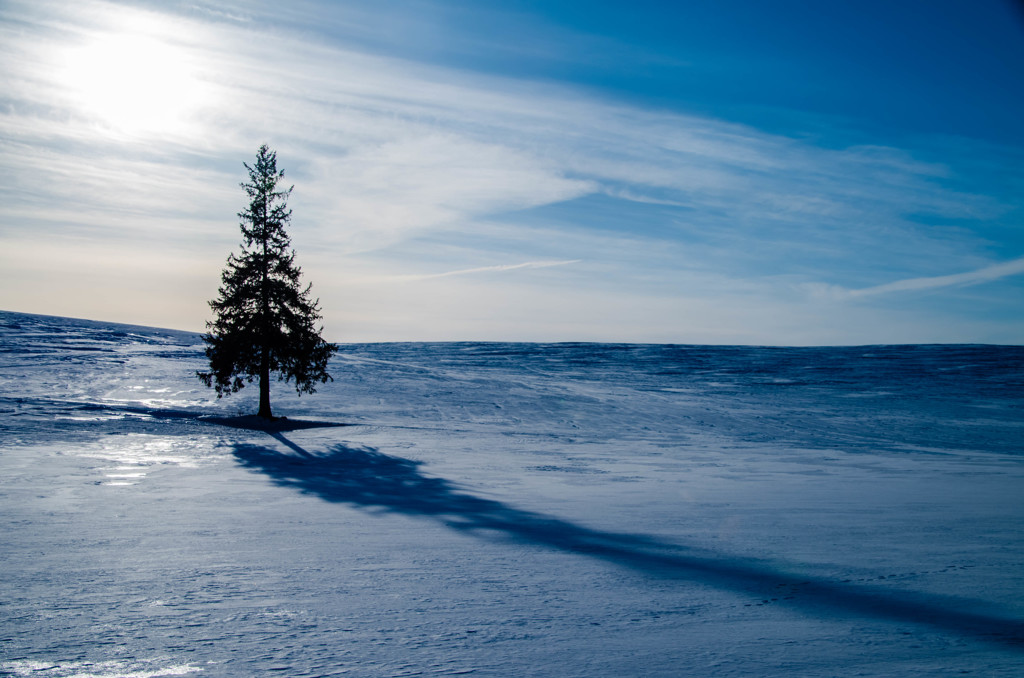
{"x": 133, "y": 82}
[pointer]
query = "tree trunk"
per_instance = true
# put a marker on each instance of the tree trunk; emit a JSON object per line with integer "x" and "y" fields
{"x": 265, "y": 387}
{"x": 264, "y": 323}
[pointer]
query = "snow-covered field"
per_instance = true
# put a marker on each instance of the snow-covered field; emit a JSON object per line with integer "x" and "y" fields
{"x": 511, "y": 510}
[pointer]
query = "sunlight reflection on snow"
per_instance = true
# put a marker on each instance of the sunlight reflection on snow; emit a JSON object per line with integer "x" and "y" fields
{"x": 95, "y": 417}
{"x": 155, "y": 393}
{"x": 133, "y": 456}
{"x": 108, "y": 669}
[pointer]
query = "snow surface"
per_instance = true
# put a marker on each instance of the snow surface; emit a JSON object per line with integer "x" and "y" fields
{"x": 511, "y": 510}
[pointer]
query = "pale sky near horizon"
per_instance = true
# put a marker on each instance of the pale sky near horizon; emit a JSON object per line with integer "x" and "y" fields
{"x": 724, "y": 172}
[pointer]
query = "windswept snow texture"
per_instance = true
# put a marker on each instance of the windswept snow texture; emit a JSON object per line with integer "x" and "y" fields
{"x": 511, "y": 510}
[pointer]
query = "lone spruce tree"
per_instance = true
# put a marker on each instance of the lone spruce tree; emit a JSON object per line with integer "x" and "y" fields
{"x": 264, "y": 320}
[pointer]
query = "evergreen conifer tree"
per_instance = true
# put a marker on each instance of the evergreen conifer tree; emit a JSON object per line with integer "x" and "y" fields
{"x": 264, "y": 321}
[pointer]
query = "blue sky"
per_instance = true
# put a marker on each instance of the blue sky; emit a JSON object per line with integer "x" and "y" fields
{"x": 690, "y": 172}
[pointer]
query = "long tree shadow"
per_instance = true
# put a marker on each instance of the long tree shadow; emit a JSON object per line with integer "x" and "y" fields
{"x": 367, "y": 478}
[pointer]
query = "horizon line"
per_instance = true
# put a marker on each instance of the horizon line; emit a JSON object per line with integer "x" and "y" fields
{"x": 544, "y": 342}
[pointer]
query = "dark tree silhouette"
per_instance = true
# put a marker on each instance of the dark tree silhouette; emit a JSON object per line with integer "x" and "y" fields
{"x": 264, "y": 320}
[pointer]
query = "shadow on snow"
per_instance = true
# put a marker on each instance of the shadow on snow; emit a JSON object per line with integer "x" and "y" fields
{"x": 367, "y": 478}
{"x": 249, "y": 422}
{"x": 274, "y": 426}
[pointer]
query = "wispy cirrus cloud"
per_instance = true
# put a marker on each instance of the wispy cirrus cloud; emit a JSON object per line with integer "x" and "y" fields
{"x": 976, "y": 277}
{"x": 499, "y": 268}
{"x": 986, "y": 274}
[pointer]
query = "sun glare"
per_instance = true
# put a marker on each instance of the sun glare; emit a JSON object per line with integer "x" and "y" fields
{"x": 133, "y": 82}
